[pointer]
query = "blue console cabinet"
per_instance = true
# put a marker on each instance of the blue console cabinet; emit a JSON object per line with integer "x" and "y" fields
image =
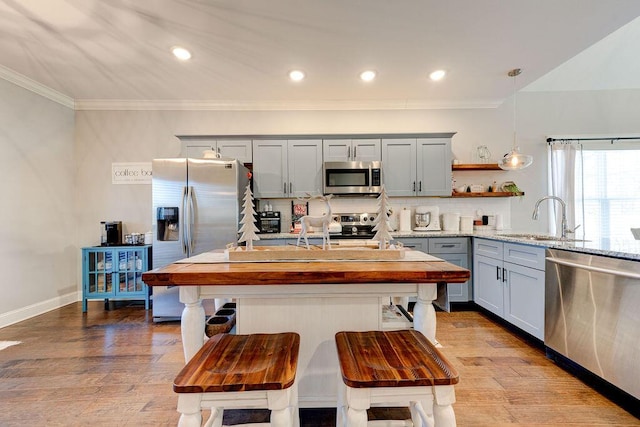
{"x": 115, "y": 272}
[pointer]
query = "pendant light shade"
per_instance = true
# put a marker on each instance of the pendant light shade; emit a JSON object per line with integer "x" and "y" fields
{"x": 514, "y": 159}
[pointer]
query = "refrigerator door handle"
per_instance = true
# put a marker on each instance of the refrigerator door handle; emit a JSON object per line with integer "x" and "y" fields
{"x": 183, "y": 220}
{"x": 191, "y": 217}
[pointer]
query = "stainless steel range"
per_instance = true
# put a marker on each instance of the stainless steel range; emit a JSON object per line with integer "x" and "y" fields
{"x": 356, "y": 225}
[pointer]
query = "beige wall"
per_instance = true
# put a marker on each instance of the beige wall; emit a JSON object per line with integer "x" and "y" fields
{"x": 38, "y": 256}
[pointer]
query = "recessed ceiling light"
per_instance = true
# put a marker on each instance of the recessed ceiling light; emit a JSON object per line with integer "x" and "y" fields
{"x": 296, "y": 75}
{"x": 368, "y": 75}
{"x": 181, "y": 53}
{"x": 437, "y": 75}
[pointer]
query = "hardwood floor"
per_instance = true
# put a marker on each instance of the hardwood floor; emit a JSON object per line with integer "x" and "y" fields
{"x": 116, "y": 367}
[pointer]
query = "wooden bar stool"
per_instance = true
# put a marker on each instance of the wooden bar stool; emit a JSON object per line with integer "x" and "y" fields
{"x": 243, "y": 372}
{"x": 394, "y": 368}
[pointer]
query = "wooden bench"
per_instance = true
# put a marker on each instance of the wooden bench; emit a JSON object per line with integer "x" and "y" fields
{"x": 241, "y": 372}
{"x": 394, "y": 368}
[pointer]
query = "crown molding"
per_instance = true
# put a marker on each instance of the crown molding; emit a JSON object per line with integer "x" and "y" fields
{"x": 35, "y": 87}
{"x": 193, "y": 105}
{"x": 225, "y": 105}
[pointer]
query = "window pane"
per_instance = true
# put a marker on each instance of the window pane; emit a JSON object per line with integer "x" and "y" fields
{"x": 611, "y": 193}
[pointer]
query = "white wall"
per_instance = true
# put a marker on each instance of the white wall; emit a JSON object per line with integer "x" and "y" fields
{"x": 103, "y": 137}
{"x": 38, "y": 251}
{"x": 541, "y": 114}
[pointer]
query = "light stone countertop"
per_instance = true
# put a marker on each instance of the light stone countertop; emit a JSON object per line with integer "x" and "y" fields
{"x": 624, "y": 249}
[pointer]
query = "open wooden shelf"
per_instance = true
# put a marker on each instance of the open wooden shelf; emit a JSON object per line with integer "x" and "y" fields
{"x": 476, "y": 167}
{"x": 488, "y": 194}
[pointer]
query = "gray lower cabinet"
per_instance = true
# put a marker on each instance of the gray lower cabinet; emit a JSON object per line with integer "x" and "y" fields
{"x": 456, "y": 251}
{"x": 451, "y": 249}
{"x": 508, "y": 280}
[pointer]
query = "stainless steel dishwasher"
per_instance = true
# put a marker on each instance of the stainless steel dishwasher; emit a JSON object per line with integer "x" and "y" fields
{"x": 592, "y": 315}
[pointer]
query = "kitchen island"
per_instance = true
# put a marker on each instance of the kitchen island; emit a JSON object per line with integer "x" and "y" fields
{"x": 315, "y": 299}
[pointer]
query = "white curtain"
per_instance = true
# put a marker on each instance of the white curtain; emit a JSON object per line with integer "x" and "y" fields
{"x": 564, "y": 159}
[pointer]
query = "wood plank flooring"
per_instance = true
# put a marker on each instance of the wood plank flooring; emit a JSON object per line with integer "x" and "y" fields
{"x": 116, "y": 367}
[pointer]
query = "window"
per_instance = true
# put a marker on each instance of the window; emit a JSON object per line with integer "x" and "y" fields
{"x": 609, "y": 193}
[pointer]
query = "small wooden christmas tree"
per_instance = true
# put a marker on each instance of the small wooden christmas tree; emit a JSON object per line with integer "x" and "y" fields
{"x": 381, "y": 221}
{"x": 248, "y": 226}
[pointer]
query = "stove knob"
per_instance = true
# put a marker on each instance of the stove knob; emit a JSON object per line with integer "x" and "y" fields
{"x": 371, "y": 218}
{"x": 354, "y": 230}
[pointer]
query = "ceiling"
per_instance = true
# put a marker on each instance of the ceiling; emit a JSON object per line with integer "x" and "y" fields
{"x": 114, "y": 52}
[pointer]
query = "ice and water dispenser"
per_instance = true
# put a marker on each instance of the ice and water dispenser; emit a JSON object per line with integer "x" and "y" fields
{"x": 168, "y": 226}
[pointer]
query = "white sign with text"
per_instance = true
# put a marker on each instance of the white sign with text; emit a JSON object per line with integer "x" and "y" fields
{"x": 131, "y": 173}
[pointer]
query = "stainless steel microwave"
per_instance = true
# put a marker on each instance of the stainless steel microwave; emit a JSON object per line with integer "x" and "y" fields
{"x": 352, "y": 178}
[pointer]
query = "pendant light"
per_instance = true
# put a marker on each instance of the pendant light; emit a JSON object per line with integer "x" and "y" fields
{"x": 514, "y": 160}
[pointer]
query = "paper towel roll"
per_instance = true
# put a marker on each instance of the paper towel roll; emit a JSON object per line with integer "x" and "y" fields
{"x": 405, "y": 220}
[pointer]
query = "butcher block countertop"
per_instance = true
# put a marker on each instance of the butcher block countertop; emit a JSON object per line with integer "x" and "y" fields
{"x": 308, "y": 272}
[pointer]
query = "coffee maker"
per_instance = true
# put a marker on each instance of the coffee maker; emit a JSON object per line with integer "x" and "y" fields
{"x": 111, "y": 233}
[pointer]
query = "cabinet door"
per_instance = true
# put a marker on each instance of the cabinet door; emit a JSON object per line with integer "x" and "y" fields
{"x": 195, "y": 147}
{"x": 305, "y": 167}
{"x": 270, "y": 169}
{"x": 488, "y": 288}
{"x": 336, "y": 150}
{"x": 129, "y": 264}
{"x": 236, "y": 149}
{"x": 366, "y": 150}
{"x": 399, "y": 166}
{"x": 433, "y": 166}
{"x": 524, "y": 298}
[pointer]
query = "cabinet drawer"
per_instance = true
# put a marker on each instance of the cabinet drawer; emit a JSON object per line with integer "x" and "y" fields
{"x": 456, "y": 245}
{"x": 525, "y": 255}
{"x": 490, "y": 248}
{"x": 419, "y": 244}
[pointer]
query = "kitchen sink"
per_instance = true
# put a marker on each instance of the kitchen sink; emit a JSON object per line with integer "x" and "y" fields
{"x": 542, "y": 238}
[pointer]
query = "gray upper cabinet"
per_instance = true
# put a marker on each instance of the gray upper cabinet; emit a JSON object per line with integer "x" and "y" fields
{"x": 349, "y": 150}
{"x": 240, "y": 149}
{"x": 417, "y": 166}
{"x": 287, "y": 168}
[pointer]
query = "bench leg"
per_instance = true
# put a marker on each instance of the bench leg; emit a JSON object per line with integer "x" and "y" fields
{"x": 189, "y": 408}
{"x": 422, "y": 412}
{"x": 444, "y": 397}
{"x": 341, "y": 407}
{"x": 215, "y": 419}
{"x": 279, "y": 402}
{"x": 358, "y": 401}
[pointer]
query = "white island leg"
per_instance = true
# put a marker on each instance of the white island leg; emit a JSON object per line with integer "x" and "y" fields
{"x": 193, "y": 320}
{"x": 424, "y": 315}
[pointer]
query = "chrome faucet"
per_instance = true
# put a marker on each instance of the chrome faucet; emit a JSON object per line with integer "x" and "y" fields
{"x": 563, "y": 226}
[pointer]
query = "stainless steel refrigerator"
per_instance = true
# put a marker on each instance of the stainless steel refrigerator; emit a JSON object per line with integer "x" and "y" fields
{"x": 196, "y": 208}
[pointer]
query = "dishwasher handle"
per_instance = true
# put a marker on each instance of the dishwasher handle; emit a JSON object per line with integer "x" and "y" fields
{"x": 620, "y": 273}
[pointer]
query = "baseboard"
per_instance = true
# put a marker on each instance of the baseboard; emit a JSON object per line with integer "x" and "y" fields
{"x": 36, "y": 309}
